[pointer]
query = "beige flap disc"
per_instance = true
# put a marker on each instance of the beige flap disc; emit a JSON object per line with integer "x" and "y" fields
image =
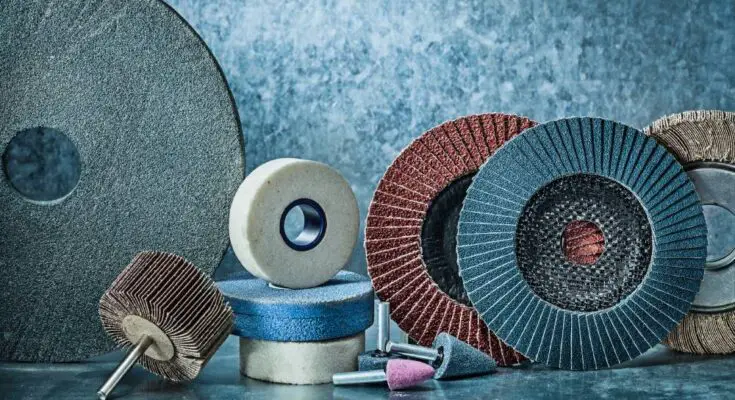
{"x": 704, "y": 141}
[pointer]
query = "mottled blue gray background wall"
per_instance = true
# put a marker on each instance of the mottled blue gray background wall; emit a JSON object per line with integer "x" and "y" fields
{"x": 351, "y": 83}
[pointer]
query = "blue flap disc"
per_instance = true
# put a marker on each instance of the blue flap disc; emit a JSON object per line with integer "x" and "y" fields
{"x": 581, "y": 243}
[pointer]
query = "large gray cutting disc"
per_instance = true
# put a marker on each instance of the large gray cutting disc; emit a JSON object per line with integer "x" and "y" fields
{"x": 118, "y": 134}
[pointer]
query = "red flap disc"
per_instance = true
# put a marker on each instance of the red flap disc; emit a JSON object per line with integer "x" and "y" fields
{"x": 410, "y": 235}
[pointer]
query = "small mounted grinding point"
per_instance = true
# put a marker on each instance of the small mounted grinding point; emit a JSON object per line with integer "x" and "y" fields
{"x": 399, "y": 374}
{"x": 169, "y": 312}
{"x": 451, "y": 357}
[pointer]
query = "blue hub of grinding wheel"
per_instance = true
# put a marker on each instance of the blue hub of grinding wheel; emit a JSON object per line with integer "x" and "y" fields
{"x": 339, "y": 308}
{"x": 640, "y": 280}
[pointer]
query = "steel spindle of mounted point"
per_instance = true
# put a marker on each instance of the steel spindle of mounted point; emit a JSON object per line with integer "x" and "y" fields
{"x": 383, "y": 325}
{"x": 450, "y": 356}
{"x": 378, "y": 358}
{"x": 169, "y": 312}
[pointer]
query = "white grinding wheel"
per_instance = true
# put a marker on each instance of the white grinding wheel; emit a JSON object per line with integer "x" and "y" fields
{"x": 299, "y": 363}
{"x": 258, "y": 214}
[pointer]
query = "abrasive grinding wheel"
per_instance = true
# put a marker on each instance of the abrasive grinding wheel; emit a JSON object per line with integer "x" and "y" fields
{"x": 411, "y": 227}
{"x": 341, "y": 307}
{"x": 546, "y": 187}
{"x": 704, "y": 141}
{"x": 118, "y": 134}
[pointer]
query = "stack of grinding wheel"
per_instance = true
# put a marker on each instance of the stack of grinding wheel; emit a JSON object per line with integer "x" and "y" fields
{"x": 299, "y": 320}
{"x": 704, "y": 142}
{"x": 412, "y": 224}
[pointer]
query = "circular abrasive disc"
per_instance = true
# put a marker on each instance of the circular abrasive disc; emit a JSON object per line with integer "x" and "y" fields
{"x": 704, "y": 141}
{"x": 412, "y": 224}
{"x": 534, "y": 290}
{"x": 343, "y": 306}
{"x": 118, "y": 134}
{"x": 259, "y": 215}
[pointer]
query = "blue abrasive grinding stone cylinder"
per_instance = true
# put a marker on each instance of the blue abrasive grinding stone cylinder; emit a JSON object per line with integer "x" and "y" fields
{"x": 339, "y": 308}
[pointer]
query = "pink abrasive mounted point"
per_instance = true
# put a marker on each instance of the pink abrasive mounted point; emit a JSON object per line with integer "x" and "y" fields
{"x": 403, "y": 374}
{"x": 399, "y": 374}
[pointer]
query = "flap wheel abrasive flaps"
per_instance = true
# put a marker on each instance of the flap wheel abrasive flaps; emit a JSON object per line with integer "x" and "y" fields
{"x": 551, "y": 302}
{"x": 411, "y": 226}
{"x": 118, "y": 133}
{"x": 704, "y": 141}
{"x": 169, "y": 313}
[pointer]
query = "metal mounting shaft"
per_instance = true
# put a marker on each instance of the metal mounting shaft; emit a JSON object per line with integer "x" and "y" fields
{"x": 124, "y": 367}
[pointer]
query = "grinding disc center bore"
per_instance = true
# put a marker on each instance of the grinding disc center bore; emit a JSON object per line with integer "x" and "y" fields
{"x": 582, "y": 242}
{"x": 303, "y": 224}
{"x": 715, "y": 185}
{"x": 586, "y": 205}
{"x": 42, "y": 164}
{"x": 720, "y": 243}
{"x": 439, "y": 239}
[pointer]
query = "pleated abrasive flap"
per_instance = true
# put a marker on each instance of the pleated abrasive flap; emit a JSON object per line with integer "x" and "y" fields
{"x": 608, "y": 183}
{"x": 166, "y": 298}
{"x": 704, "y": 141}
{"x": 412, "y": 224}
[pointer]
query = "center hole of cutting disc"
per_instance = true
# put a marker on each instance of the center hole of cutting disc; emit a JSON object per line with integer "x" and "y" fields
{"x": 303, "y": 224}
{"x": 42, "y": 164}
{"x": 582, "y": 242}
